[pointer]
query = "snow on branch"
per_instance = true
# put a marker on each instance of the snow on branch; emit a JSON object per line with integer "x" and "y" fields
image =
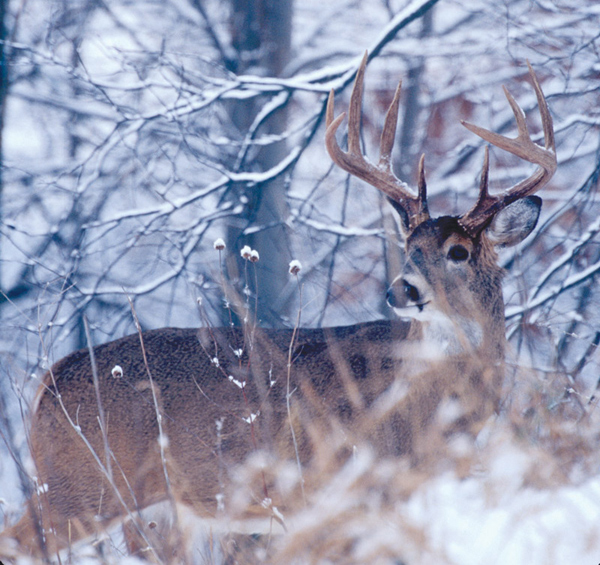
{"x": 554, "y": 292}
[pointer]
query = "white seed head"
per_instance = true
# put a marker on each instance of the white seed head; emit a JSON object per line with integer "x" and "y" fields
{"x": 254, "y": 256}
{"x": 246, "y": 251}
{"x": 219, "y": 244}
{"x": 295, "y": 267}
{"x": 117, "y": 372}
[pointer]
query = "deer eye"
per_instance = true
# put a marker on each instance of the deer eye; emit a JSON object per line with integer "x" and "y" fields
{"x": 458, "y": 253}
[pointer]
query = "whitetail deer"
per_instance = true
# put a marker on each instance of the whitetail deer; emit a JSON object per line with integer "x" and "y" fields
{"x": 214, "y": 401}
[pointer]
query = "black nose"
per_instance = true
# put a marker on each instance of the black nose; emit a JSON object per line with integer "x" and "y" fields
{"x": 391, "y": 297}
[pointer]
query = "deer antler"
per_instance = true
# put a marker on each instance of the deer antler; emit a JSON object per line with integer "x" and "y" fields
{"x": 487, "y": 206}
{"x": 354, "y": 162}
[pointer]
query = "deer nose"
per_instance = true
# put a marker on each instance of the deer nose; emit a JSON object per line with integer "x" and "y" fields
{"x": 390, "y": 297}
{"x": 398, "y": 294}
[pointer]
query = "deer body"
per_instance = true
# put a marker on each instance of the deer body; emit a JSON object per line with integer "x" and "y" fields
{"x": 211, "y": 425}
{"x": 217, "y": 407}
{"x": 175, "y": 413}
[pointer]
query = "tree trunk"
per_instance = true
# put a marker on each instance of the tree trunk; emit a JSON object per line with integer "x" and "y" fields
{"x": 261, "y": 31}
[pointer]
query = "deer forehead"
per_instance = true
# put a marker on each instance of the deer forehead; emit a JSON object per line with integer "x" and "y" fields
{"x": 435, "y": 237}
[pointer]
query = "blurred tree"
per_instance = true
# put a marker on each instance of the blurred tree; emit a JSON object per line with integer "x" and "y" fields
{"x": 261, "y": 32}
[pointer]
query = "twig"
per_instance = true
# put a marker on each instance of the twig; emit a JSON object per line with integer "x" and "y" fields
{"x": 162, "y": 437}
{"x": 289, "y": 392}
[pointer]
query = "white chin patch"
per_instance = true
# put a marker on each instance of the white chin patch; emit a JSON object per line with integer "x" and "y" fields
{"x": 415, "y": 312}
{"x": 405, "y": 314}
{"x": 443, "y": 335}
{"x": 452, "y": 336}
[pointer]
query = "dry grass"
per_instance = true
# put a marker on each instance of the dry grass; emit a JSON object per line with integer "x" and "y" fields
{"x": 518, "y": 486}
{"x": 463, "y": 494}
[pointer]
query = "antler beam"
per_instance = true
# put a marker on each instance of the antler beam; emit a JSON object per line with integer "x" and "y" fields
{"x": 487, "y": 206}
{"x": 355, "y": 163}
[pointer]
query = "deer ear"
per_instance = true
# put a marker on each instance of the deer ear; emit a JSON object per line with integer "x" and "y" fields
{"x": 515, "y": 222}
{"x": 404, "y": 219}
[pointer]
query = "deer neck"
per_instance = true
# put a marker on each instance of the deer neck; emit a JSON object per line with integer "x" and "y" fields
{"x": 444, "y": 338}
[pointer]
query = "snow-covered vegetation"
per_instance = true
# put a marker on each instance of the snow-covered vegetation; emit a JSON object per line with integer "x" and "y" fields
{"x": 136, "y": 135}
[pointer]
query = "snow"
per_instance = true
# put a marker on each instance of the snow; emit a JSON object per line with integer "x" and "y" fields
{"x": 118, "y": 173}
{"x": 515, "y": 525}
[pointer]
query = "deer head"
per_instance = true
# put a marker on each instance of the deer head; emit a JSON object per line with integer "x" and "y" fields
{"x": 451, "y": 284}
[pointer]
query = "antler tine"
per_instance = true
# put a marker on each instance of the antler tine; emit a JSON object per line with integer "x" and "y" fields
{"x": 487, "y": 206}
{"x": 388, "y": 135}
{"x": 544, "y": 111}
{"x": 485, "y": 174}
{"x": 422, "y": 186}
{"x": 355, "y": 109}
{"x": 353, "y": 161}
